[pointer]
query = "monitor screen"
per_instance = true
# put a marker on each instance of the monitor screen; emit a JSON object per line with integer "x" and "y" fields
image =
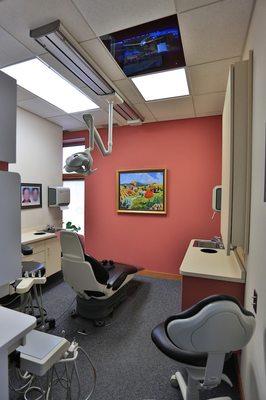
{"x": 151, "y": 47}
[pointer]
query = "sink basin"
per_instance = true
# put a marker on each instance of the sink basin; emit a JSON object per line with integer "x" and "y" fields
{"x": 207, "y": 244}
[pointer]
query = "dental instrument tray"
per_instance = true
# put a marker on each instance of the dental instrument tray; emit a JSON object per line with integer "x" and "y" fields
{"x": 32, "y": 268}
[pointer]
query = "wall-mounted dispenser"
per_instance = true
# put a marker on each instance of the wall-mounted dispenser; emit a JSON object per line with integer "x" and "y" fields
{"x": 217, "y": 198}
{"x": 58, "y": 196}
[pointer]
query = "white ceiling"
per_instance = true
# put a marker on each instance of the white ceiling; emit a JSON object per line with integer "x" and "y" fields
{"x": 213, "y": 34}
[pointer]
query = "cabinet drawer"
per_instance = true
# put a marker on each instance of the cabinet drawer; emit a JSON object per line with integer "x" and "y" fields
{"x": 38, "y": 257}
{"x": 37, "y": 247}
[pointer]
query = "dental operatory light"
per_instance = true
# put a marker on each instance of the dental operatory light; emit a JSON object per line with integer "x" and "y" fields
{"x": 41, "y": 80}
{"x": 82, "y": 162}
{"x": 162, "y": 85}
{"x": 57, "y": 41}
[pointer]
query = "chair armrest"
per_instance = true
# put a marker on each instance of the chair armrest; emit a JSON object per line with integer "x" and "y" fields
{"x": 116, "y": 280}
{"x": 119, "y": 274}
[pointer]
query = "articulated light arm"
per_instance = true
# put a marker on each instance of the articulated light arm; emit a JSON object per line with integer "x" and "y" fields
{"x": 81, "y": 162}
{"x": 95, "y": 136}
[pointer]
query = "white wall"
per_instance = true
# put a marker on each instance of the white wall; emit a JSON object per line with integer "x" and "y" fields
{"x": 253, "y": 365}
{"x": 39, "y": 160}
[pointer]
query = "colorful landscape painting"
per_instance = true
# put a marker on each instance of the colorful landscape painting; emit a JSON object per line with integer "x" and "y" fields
{"x": 142, "y": 191}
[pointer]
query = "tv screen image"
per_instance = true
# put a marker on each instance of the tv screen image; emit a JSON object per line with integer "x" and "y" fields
{"x": 150, "y": 47}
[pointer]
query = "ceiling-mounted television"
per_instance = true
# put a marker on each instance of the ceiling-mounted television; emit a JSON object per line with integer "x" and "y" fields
{"x": 151, "y": 47}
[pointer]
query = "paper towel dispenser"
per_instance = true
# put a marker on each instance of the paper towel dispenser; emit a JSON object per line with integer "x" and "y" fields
{"x": 58, "y": 196}
{"x": 217, "y": 198}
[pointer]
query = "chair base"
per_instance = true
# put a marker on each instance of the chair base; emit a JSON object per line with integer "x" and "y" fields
{"x": 98, "y": 310}
{"x": 191, "y": 391}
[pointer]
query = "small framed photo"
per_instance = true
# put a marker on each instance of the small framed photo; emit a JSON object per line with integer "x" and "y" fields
{"x": 31, "y": 195}
{"x": 141, "y": 191}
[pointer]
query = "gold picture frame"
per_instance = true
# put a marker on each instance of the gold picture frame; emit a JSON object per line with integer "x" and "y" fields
{"x": 142, "y": 191}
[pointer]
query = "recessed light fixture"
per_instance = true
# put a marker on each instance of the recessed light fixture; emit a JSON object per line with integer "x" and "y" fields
{"x": 55, "y": 39}
{"x": 41, "y": 80}
{"x": 162, "y": 85}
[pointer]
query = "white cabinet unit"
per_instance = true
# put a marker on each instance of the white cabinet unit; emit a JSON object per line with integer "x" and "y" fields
{"x": 53, "y": 256}
{"x": 8, "y": 109}
{"x": 46, "y": 250}
{"x": 236, "y": 157}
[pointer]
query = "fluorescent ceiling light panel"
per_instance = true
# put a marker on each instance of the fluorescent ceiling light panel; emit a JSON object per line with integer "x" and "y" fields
{"x": 162, "y": 85}
{"x": 36, "y": 77}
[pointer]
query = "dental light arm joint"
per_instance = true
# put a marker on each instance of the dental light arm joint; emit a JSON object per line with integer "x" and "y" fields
{"x": 82, "y": 162}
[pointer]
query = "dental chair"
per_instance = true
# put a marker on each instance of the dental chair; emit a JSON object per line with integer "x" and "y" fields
{"x": 100, "y": 288}
{"x": 200, "y": 339}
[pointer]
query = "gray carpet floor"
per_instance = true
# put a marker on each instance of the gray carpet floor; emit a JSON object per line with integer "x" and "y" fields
{"x": 128, "y": 365}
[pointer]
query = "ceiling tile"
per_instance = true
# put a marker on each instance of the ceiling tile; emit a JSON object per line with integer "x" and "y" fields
{"x": 19, "y": 16}
{"x": 172, "y": 109}
{"x": 11, "y": 51}
{"x": 215, "y": 32}
{"x": 23, "y": 95}
{"x": 185, "y": 5}
{"x": 40, "y": 107}
{"x": 67, "y": 123}
{"x": 209, "y": 104}
{"x": 99, "y": 53}
{"x": 129, "y": 90}
{"x": 210, "y": 77}
{"x": 105, "y": 16}
{"x": 145, "y": 112}
{"x": 100, "y": 117}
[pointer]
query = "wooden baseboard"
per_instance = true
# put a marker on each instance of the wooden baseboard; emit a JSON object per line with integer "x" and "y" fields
{"x": 160, "y": 275}
{"x": 239, "y": 380}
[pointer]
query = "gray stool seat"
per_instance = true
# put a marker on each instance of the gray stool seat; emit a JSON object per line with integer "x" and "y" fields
{"x": 162, "y": 341}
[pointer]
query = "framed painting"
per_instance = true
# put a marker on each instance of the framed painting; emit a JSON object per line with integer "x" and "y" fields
{"x": 141, "y": 191}
{"x": 31, "y": 195}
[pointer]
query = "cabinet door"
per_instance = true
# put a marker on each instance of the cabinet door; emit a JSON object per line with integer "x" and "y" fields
{"x": 8, "y": 109}
{"x": 236, "y": 159}
{"x": 10, "y": 250}
{"x": 227, "y": 163}
{"x": 37, "y": 257}
{"x": 53, "y": 256}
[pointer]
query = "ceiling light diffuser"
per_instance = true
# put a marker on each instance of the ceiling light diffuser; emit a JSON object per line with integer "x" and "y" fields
{"x": 41, "y": 80}
{"x": 162, "y": 85}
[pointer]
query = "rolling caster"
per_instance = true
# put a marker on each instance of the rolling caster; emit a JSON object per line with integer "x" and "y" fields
{"x": 51, "y": 323}
{"x": 74, "y": 314}
{"x": 174, "y": 381}
{"x": 99, "y": 323}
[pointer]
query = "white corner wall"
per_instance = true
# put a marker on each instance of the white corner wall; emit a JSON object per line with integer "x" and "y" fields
{"x": 253, "y": 363}
{"x": 39, "y": 160}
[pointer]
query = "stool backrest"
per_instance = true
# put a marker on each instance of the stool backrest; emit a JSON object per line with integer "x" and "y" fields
{"x": 219, "y": 325}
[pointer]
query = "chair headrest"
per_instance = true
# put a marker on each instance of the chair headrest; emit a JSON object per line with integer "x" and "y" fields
{"x": 71, "y": 245}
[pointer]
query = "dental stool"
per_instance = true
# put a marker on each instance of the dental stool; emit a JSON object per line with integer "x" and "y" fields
{"x": 200, "y": 339}
{"x": 99, "y": 289}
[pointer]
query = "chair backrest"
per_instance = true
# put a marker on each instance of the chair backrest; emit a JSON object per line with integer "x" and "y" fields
{"x": 216, "y": 324}
{"x": 71, "y": 246}
{"x": 78, "y": 272}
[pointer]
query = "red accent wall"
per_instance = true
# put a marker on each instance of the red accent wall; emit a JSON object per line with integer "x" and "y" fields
{"x": 190, "y": 149}
{"x": 3, "y": 166}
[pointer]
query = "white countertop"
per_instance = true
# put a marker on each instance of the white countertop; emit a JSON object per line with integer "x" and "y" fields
{"x": 29, "y": 237}
{"x": 14, "y": 326}
{"x": 217, "y": 265}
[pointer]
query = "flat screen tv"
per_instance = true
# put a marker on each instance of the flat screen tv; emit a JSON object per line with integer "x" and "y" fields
{"x": 151, "y": 47}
